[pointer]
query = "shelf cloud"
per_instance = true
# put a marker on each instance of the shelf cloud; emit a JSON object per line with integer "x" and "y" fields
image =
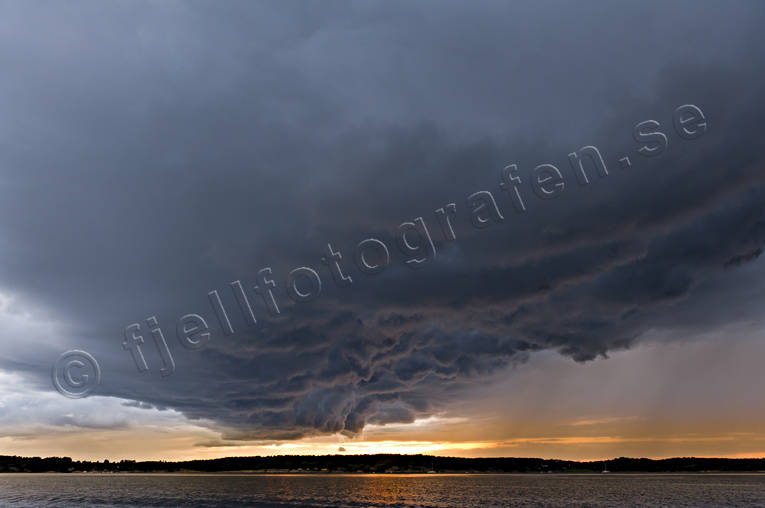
{"x": 153, "y": 153}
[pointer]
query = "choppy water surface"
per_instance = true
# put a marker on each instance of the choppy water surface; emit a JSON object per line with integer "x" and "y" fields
{"x": 109, "y": 490}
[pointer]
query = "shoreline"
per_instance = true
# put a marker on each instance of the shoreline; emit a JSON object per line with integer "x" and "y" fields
{"x": 397, "y": 474}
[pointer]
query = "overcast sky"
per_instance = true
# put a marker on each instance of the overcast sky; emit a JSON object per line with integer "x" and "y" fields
{"x": 154, "y": 152}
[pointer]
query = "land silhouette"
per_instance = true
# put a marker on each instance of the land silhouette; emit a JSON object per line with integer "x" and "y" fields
{"x": 381, "y": 463}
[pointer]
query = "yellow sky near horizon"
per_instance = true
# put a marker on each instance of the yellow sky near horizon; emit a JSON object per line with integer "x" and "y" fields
{"x": 190, "y": 443}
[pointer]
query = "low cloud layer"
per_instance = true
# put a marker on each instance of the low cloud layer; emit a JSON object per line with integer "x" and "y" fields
{"x": 154, "y": 152}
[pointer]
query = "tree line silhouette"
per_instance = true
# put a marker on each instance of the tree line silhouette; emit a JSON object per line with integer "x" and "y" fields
{"x": 380, "y": 463}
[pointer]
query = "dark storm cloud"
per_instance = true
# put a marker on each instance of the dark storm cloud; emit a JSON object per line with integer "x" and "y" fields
{"x": 154, "y": 152}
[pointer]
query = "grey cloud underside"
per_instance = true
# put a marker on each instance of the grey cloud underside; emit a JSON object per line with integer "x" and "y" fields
{"x": 213, "y": 144}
